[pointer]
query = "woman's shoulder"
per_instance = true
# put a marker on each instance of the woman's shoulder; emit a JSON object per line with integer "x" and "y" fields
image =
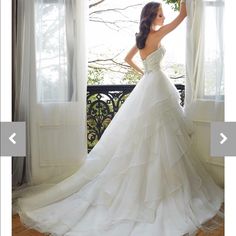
{"x": 158, "y": 33}
{"x": 154, "y": 38}
{"x": 155, "y": 35}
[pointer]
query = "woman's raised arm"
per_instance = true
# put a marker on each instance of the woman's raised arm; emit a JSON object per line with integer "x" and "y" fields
{"x": 165, "y": 29}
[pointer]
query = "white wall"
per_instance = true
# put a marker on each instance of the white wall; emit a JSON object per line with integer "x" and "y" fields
{"x": 215, "y": 165}
{"x": 202, "y": 113}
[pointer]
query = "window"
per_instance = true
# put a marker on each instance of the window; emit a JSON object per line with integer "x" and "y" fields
{"x": 113, "y": 21}
{"x": 213, "y": 49}
{"x": 51, "y": 51}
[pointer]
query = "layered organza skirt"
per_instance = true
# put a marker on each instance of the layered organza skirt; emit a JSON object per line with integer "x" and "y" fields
{"x": 142, "y": 178}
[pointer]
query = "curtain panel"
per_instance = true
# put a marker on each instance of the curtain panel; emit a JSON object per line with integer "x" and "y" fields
{"x": 50, "y": 84}
{"x": 23, "y": 80}
{"x": 205, "y": 60}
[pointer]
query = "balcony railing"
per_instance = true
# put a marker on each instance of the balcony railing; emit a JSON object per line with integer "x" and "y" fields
{"x": 103, "y": 102}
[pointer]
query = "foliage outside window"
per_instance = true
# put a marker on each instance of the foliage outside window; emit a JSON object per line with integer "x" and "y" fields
{"x": 107, "y": 67}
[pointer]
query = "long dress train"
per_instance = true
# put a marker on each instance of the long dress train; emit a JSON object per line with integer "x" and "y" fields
{"x": 142, "y": 177}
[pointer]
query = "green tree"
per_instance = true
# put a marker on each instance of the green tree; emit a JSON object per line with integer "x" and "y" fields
{"x": 131, "y": 77}
{"x": 95, "y": 76}
{"x": 173, "y": 3}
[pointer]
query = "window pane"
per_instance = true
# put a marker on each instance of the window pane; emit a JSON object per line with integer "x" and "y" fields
{"x": 52, "y": 82}
{"x": 214, "y": 64}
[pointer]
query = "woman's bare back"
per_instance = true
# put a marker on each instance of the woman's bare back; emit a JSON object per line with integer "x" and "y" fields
{"x": 153, "y": 42}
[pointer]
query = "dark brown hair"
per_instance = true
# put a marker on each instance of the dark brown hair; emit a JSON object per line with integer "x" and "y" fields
{"x": 148, "y": 14}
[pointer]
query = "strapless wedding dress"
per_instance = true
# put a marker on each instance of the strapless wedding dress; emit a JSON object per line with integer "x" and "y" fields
{"x": 141, "y": 179}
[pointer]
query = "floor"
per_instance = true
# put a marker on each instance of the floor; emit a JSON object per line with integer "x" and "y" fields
{"x": 19, "y": 230}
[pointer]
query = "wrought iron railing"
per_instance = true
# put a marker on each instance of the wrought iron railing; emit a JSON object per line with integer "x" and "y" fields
{"x": 103, "y": 102}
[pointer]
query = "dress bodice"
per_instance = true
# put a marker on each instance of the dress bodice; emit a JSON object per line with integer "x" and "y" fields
{"x": 153, "y": 60}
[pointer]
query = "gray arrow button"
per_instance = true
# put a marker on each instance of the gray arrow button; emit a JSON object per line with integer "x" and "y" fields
{"x": 13, "y": 139}
{"x": 223, "y": 139}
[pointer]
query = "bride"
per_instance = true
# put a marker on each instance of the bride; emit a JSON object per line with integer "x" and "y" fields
{"x": 142, "y": 177}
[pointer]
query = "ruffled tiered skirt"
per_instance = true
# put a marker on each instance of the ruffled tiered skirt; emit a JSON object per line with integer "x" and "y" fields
{"x": 142, "y": 177}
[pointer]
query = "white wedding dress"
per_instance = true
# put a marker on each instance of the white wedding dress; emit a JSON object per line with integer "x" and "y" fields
{"x": 142, "y": 177}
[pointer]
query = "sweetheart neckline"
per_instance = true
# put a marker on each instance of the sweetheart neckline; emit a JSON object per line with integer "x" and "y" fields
{"x": 151, "y": 53}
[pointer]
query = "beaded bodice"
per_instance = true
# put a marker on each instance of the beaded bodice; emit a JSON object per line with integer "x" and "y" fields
{"x": 153, "y": 60}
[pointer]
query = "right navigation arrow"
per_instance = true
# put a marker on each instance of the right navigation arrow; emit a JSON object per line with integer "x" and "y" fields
{"x": 224, "y": 138}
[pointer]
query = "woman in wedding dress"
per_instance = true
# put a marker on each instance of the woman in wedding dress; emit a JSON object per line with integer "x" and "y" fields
{"x": 142, "y": 177}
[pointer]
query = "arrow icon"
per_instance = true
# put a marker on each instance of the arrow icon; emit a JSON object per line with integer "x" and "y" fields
{"x": 11, "y": 138}
{"x": 224, "y": 138}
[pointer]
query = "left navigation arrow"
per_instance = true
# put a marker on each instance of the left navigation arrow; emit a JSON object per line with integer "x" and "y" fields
{"x": 11, "y": 138}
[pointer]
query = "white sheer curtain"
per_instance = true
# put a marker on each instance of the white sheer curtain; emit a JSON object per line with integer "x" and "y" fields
{"x": 57, "y": 96}
{"x": 55, "y": 38}
{"x": 24, "y": 75}
{"x": 51, "y": 57}
{"x": 205, "y": 60}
